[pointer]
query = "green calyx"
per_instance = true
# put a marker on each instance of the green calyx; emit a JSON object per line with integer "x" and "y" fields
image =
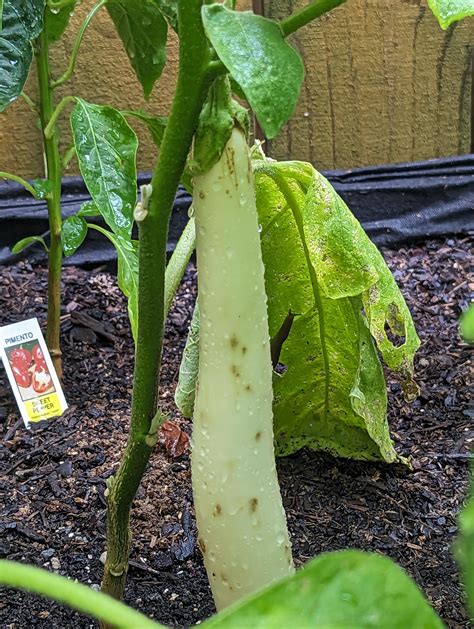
{"x": 217, "y": 119}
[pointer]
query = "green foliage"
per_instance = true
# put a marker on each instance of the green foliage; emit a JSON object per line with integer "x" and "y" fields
{"x": 169, "y": 9}
{"x": 21, "y": 23}
{"x": 266, "y": 67}
{"x": 73, "y": 233}
{"x": 320, "y": 264}
{"x": 127, "y": 271}
{"x": 188, "y": 370}
{"x": 89, "y": 208}
{"x": 465, "y": 548}
{"x": 466, "y": 325}
{"x": 106, "y": 149}
{"x": 449, "y": 11}
{"x": 56, "y": 22}
{"x": 143, "y": 31}
{"x": 42, "y": 188}
{"x": 29, "y": 240}
{"x": 341, "y": 589}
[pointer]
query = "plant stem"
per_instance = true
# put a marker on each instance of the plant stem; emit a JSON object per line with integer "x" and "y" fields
{"x": 20, "y": 180}
{"x": 50, "y": 127}
{"x": 30, "y": 102}
{"x": 178, "y": 262}
{"x": 53, "y": 174}
{"x": 77, "y": 44}
{"x": 72, "y": 594}
{"x": 307, "y": 14}
{"x": 189, "y": 97}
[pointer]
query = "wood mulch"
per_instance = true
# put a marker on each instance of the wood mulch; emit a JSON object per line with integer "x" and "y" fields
{"x": 52, "y": 479}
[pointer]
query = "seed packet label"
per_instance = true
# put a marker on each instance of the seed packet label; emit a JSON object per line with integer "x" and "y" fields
{"x": 31, "y": 372}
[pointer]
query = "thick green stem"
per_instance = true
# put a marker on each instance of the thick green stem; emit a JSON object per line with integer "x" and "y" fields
{"x": 189, "y": 97}
{"x": 53, "y": 174}
{"x": 77, "y": 44}
{"x": 307, "y": 14}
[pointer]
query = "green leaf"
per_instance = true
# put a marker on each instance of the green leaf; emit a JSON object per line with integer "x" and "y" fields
{"x": 74, "y": 231}
{"x": 43, "y": 187}
{"x": 169, "y": 10}
{"x": 89, "y": 208}
{"x": 106, "y": 148}
{"x": 320, "y": 264}
{"x": 143, "y": 31}
{"x": 449, "y": 11}
{"x": 266, "y": 67}
{"x": 465, "y": 548}
{"x": 56, "y": 22}
{"x": 341, "y": 589}
{"x": 466, "y": 325}
{"x": 21, "y": 23}
{"x": 127, "y": 272}
{"x": 29, "y": 240}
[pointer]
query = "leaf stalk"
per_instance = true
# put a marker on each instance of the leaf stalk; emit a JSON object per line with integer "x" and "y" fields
{"x": 307, "y": 14}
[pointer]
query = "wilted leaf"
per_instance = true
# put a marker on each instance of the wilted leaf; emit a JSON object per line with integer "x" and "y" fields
{"x": 106, "y": 148}
{"x": 21, "y": 23}
{"x": 174, "y": 440}
{"x": 143, "y": 31}
{"x": 74, "y": 231}
{"x": 253, "y": 49}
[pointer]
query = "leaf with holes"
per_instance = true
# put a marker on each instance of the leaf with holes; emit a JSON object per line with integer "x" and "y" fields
{"x": 253, "y": 49}
{"x": 106, "y": 149}
{"x": 143, "y": 31}
{"x": 320, "y": 264}
{"x": 21, "y": 23}
{"x": 449, "y": 11}
{"x": 74, "y": 231}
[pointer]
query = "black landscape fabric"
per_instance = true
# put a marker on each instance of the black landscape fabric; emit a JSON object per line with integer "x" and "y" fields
{"x": 395, "y": 203}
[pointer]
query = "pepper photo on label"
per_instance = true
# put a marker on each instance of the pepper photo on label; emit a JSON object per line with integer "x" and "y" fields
{"x": 29, "y": 369}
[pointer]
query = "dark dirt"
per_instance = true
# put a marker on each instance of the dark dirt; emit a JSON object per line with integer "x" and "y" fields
{"x": 52, "y": 506}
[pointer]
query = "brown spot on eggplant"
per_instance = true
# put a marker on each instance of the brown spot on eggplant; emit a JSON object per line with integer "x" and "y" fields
{"x": 234, "y": 341}
{"x": 217, "y": 510}
{"x": 202, "y": 545}
{"x": 253, "y": 502}
{"x": 244, "y": 350}
{"x": 248, "y": 387}
{"x": 201, "y": 194}
{"x": 235, "y": 371}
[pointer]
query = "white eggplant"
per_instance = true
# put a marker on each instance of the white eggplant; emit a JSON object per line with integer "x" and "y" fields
{"x": 241, "y": 522}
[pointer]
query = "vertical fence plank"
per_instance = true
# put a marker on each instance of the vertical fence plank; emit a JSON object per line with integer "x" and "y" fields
{"x": 383, "y": 84}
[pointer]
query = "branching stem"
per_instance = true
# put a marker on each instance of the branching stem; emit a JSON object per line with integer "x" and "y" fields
{"x": 50, "y": 127}
{"x": 20, "y": 180}
{"x": 307, "y": 14}
{"x": 77, "y": 44}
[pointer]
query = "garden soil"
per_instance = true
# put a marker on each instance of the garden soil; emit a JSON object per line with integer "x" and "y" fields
{"x": 52, "y": 483}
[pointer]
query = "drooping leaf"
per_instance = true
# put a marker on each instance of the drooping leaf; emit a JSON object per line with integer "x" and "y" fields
{"x": 143, "y": 31}
{"x": 127, "y": 271}
{"x": 449, "y": 11}
{"x": 21, "y": 23}
{"x": 266, "y": 67}
{"x": 320, "y": 264}
{"x": 169, "y": 10}
{"x": 106, "y": 148}
{"x": 56, "y": 22}
{"x": 29, "y": 240}
{"x": 74, "y": 231}
{"x": 341, "y": 589}
{"x": 465, "y": 548}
